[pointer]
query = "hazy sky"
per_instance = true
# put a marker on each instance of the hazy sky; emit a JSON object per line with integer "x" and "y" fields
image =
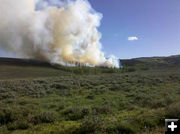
{"x": 138, "y": 28}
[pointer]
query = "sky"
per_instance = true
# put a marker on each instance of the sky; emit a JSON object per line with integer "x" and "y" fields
{"x": 156, "y": 24}
{"x": 137, "y": 28}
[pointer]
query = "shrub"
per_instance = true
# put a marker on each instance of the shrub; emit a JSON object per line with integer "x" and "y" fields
{"x": 43, "y": 117}
{"x": 76, "y": 113}
{"x": 158, "y": 103}
{"x": 59, "y": 86}
{"x": 102, "y": 110}
{"x": 173, "y": 111}
{"x": 60, "y": 107}
{"x": 115, "y": 87}
{"x": 19, "y": 124}
{"x": 91, "y": 124}
{"x": 6, "y": 116}
{"x": 144, "y": 68}
{"x": 130, "y": 69}
{"x": 149, "y": 119}
{"x": 121, "y": 128}
{"x": 91, "y": 97}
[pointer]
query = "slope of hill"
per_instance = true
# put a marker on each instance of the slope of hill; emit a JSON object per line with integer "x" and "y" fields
{"x": 36, "y": 97}
{"x": 23, "y": 62}
{"x": 153, "y": 61}
{"x": 11, "y": 68}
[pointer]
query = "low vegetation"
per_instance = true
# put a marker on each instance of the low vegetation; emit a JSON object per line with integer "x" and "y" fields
{"x": 83, "y": 100}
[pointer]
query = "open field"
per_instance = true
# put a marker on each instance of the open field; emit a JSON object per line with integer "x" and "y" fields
{"x": 36, "y": 99}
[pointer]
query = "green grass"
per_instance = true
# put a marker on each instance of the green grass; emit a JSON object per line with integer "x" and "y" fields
{"x": 72, "y": 100}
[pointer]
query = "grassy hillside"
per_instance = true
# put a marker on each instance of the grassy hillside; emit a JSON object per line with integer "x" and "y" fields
{"x": 36, "y": 97}
{"x": 153, "y": 61}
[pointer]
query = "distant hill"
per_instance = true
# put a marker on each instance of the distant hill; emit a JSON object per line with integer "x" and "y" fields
{"x": 143, "y": 61}
{"x": 23, "y": 62}
{"x": 13, "y": 68}
{"x": 152, "y": 61}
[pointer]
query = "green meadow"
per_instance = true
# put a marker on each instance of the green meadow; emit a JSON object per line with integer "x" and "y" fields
{"x": 52, "y": 99}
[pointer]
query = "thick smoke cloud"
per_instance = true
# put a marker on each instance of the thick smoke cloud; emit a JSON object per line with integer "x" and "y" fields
{"x": 58, "y": 32}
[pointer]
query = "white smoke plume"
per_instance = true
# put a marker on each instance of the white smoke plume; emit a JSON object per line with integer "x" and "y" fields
{"x": 63, "y": 32}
